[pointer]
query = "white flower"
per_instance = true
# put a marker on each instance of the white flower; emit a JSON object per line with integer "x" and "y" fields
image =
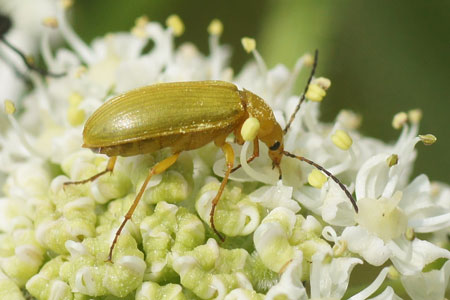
{"x": 428, "y": 285}
{"x": 388, "y": 209}
{"x": 328, "y": 279}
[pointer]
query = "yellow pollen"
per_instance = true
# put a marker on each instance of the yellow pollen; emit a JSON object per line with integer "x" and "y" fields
{"x": 428, "y": 139}
{"x": 393, "y": 274}
{"x": 315, "y": 92}
{"x": 174, "y": 22}
{"x": 308, "y": 59}
{"x": 215, "y": 27}
{"x": 323, "y": 82}
{"x": 66, "y": 3}
{"x": 50, "y": 22}
{"x": 392, "y": 160}
{"x": 249, "y": 44}
{"x": 316, "y": 178}
{"x": 339, "y": 248}
{"x": 399, "y": 119}
{"x": 342, "y": 140}
{"x": 141, "y": 21}
{"x": 415, "y": 115}
{"x": 75, "y": 99}
{"x": 10, "y": 108}
{"x": 349, "y": 119}
{"x": 410, "y": 234}
{"x": 139, "y": 27}
{"x": 80, "y": 71}
{"x": 75, "y": 116}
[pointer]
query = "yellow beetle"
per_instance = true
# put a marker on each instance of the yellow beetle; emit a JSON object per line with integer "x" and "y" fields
{"x": 184, "y": 116}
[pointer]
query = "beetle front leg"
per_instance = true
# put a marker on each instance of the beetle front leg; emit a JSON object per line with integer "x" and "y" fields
{"x": 109, "y": 168}
{"x": 254, "y": 155}
{"x": 157, "y": 169}
{"x": 229, "y": 157}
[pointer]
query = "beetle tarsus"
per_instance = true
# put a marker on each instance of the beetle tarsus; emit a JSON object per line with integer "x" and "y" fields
{"x": 214, "y": 228}
{"x": 116, "y": 237}
{"x": 109, "y": 168}
{"x": 86, "y": 180}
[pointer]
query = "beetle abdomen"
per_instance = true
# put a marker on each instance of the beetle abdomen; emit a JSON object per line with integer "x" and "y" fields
{"x": 162, "y": 110}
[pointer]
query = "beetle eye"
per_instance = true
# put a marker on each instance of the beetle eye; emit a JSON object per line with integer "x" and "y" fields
{"x": 275, "y": 146}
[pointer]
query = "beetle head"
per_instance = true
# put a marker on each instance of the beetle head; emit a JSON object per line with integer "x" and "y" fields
{"x": 274, "y": 141}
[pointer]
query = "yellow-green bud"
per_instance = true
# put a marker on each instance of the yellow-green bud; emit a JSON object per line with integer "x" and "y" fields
{"x": 392, "y": 160}
{"x": 393, "y": 274}
{"x": 308, "y": 59}
{"x": 428, "y": 139}
{"x": 415, "y": 115}
{"x": 175, "y": 23}
{"x": 50, "y": 22}
{"x": 342, "y": 140}
{"x": 323, "y": 82}
{"x": 316, "y": 178}
{"x": 315, "y": 92}
{"x": 215, "y": 27}
{"x": 75, "y": 116}
{"x": 139, "y": 27}
{"x": 249, "y": 44}
{"x": 10, "y": 108}
{"x": 410, "y": 234}
{"x": 399, "y": 119}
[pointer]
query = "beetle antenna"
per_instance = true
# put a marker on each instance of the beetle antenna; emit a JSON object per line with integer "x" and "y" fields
{"x": 319, "y": 167}
{"x": 26, "y": 61}
{"x": 302, "y": 97}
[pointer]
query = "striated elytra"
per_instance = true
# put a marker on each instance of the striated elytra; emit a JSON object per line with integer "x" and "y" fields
{"x": 179, "y": 115}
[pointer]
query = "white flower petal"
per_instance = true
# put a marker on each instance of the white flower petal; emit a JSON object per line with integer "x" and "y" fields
{"x": 372, "y": 177}
{"x": 372, "y": 287}
{"x": 387, "y": 294}
{"x": 370, "y": 247}
{"x": 337, "y": 209}
{"x": 275, "y": 196}
{"x": 410, "y": 257}
{"x": 330, "y": 280}
{"x": 428, "y": 286}
{"x": 290, "y": 285}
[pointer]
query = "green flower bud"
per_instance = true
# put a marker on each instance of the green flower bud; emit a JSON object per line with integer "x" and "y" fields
{"x": 9, "y": 289}
{"x": 89, "y": 274}
{"x": 47, "y": 284}
{"x": 169, "y": 229}
{"x": 235, "y": 213}
{"x": 20, "y": 255}
{"x": 209, "y": 271}
{"x": 151, "y": 290}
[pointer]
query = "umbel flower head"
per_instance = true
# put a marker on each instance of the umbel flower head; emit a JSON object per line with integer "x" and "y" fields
{"x": 281, "y": 235}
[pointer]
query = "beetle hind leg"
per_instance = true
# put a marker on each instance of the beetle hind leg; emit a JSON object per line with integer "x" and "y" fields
{"x": 109, "y": 168}
{"x": 157, "y": 169}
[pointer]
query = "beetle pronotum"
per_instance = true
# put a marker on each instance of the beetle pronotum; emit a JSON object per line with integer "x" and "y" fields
{"x": 185, "y": 116}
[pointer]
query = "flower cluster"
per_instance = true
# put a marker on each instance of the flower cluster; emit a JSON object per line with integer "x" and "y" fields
{"x": 54, "y": 240}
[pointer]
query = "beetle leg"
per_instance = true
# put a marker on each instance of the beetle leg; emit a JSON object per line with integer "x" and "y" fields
{"x": 229, "y": 157}
{"x": 109, "y": 168}
{"x": 157, "y": 169}
{"x": 254, "y": 155}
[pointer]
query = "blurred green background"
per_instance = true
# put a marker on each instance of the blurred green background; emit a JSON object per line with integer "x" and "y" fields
{"x": 381, "y": 56}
